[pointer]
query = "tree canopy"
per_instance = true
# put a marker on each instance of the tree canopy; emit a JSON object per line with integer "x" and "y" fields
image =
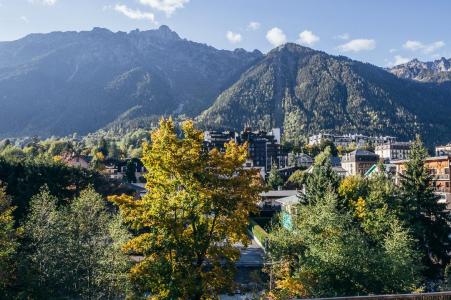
{"x": 196, "y": 209}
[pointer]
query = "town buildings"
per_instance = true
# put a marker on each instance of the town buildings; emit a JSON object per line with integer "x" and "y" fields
{"x": 358, "y": 162}
{"x": 350, "y": 139}
{"x": 264, "y": 147}
{"x": 393, "y": 151}
{"x": 443, "y": 150}
{"x": 439, "y": 167}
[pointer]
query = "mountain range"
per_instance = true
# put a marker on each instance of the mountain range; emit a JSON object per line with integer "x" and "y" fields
{"x": 433, "y": 71}
{"x": 65, "y": 82}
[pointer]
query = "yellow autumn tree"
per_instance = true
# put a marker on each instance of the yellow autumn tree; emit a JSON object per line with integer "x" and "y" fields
{"x": 196, "y": 209}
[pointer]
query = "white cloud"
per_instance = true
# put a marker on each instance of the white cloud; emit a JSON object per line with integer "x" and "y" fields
{"x": 167, "y": 6}
{"x": 425, "y": 48}
{"x": 253, "y": 25}
{"x": 358, "y": 45}
{"x": 24, "y": 19}
{"x": 398, "y": 60}
{"x": 276, "y": 36}
{"x": 43, "y": 2}
{"x": 233, "y": 37}
{"x": 308, "y": 38}
{"x": 344, "y": 36}
{"x": 393, "y": 50}
{"x": 134, "y": 14}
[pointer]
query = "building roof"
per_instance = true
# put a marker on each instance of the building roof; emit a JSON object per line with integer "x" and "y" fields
{"x": 279, "y": 194}
{"x": 288, "y": 200}
{"x": 431, "y": 158}
{"x": 361, "y": 152}
{"x": 339, "y": 169}
{"x": 335, "y": 161}
{"x": 359, "y": 155}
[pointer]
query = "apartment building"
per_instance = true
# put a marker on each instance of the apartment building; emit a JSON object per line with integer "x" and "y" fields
{"x": 393, "y": 151}
{"x": 358, "y": 162}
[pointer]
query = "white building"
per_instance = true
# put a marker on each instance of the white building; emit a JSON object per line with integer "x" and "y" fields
{"x": 394, "y": 151}
{"x": 443, "y": 150}
{"x": 348, "y": 139}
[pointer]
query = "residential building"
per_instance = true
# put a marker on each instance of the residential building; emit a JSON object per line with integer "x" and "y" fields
{"x": 217, "y": 139}
{"x": 443, "y": 150}
{"x": 77, "y": 161}
{"x": 388, "y": 168}
{"x": 300, "y": 160}
{"x": 393, "y": 151}
{"x": 350, "y": 139}
{"x": 268, "y": 199}
{"x": 358, "y": 162}
{"x": 438, "y": 166}
{"x": 116, "y": 169}
{"x": 264, "y": 147}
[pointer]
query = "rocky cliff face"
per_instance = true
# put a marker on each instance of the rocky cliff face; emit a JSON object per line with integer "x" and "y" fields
{"x": 434, "y": 71}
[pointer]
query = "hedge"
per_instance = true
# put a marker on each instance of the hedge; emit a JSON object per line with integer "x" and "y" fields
{"x": 257, "y": 231}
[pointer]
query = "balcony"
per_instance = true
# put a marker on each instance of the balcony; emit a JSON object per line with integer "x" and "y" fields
{"x": 441, "y": 177}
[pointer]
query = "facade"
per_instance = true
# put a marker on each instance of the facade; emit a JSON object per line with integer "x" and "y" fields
{"x": 349, "y": 139}
{"x": 77, "y": 161}
{"x": 393, "y": 151}
{"x": 264, "y": 147}
{"x": 358, "y": 162}
{"x": 217, "y": 139}
{"x": 443, "y": 150}
{"x": 268, "y": 199}
{"x": 438, "y": 166}
{"x": 299, "y": 160}
{"x": 116, "y": 169}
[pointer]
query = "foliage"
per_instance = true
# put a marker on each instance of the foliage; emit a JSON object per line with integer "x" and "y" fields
{"x": 25, "y": 177}
{"x": 322, "y": 178}
{"x": 274, "y": 179}
{"x": 297, "y": 179}
{"x": 419, "y": 208}
{"x": 8, "y": 242}
{"x": 73, "y": 251}
{"x": 258, "y": 232}
{"x": 197, "y": 207}
{"x": 328, "y": 254}
{"x": 130, "y": 171}
{"x": 305, "y": 92}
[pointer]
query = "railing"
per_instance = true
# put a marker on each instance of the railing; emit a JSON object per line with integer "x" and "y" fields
{"x": 441, "y": 177}
{"x": 423, "y": 296}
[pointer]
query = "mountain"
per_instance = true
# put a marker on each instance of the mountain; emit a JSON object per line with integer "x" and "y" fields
{"x": 64, "y": 82}
{"x": 434, "y": 71}
{"x": 305, "y": 91}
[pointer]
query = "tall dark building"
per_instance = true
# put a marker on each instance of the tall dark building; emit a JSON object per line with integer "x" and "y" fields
{"x": 264, "y": 147}
{"x": 217, "y": 139}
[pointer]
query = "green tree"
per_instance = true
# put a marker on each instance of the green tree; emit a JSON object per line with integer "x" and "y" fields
{"x": 8, "y": 242}
{"x": 297, "y": 179}
{"x": 321, "y": 179}
{"x": 327, "y": 254}
{"x": 130, "y": 171}
{"x": 274, "y": 179}
{"x": 425, "y": 216}
{"x": 74, "y": 251}
{"x": 43, "y": 239}
{"x": 196, "y": 209}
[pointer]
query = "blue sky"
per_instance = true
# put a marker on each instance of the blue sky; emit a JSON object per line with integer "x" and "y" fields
{"x": 381, "y": 32}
